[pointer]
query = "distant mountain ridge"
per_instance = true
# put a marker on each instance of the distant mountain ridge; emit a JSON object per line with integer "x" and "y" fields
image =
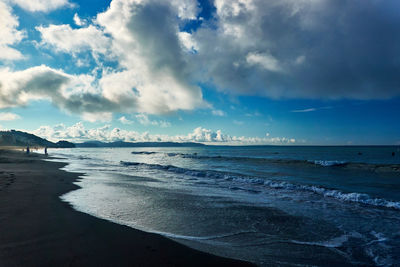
{"x": 18, "y": 138}
{"x": 138, "y": 144}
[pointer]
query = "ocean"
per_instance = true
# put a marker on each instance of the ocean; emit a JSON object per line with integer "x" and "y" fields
{"x": 271, "y": 205}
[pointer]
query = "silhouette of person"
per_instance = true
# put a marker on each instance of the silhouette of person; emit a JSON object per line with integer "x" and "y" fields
{"x": 45, "y": 150}
{"x": 27, "y": 149}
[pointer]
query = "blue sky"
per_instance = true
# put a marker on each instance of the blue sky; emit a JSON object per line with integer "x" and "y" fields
{"x": 223, "y": 72}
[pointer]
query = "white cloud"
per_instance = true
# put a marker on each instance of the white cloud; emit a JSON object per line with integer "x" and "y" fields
{"x": 310, "y": 109}
{"x": 64, "y": 38}
{"x": 186, "y": 9}
{"x": 187, "y": 41}
{"x": 8, "y": 116}
{"x": 9, "y": 33}
{"x": 78, "y": 94}
{"x": 153, "y": 75}
{"x": 164, "y": 124}
{"x": 205, "y": 135}
{"x": 264, "y": 60}
{"x": 18, "y": 87}
{"x": 8, "y": 53}
{"x": 124, "y": 120}
{"x": 71, "y": 93}
{"x": 144, "y": 120}
{"x": 97, "y": 116}
{"x": 78, "y": 133}
{"x": 81, "y": 62}
{"x": 42, "y": 5}
{"x": 217, "y": 112}
{"x": 78, "y": 21}
{"x": 304, "y": 110}
{"x": 238, "y": 122}
{"x": 254, "y": 114}
{"x": 208, "y": 136}
{"x": 61, "y": 132}
{"x": 145, "y": 39}
{"x": 300, "y": 60}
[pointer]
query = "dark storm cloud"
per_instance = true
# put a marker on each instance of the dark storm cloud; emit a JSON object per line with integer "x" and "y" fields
{"x": 324, "y": 49}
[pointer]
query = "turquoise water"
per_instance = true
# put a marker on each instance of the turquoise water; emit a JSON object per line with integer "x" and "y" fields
{"x": 265, "y": 204}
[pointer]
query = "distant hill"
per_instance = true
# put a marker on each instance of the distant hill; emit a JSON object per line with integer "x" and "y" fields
{"x": 18, "y": 138}
{"x": 139, "y": 144}
{"x": 65, "y": 144}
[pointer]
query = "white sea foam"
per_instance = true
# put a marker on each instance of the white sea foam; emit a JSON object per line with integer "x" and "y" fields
{"x": 355, "y": 197}
{"x": 329, "y": 163}
{"x": 201, "y": 238}
{"x": 331, "y": 243}
{"x": 386, "y": 167}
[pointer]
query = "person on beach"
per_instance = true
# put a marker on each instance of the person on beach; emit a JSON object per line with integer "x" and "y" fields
{"x": 45, "y": 151}
{"x": 27, "y": 149}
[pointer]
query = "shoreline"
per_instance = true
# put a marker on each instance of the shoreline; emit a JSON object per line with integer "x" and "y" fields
{"x": 38, "y": 228}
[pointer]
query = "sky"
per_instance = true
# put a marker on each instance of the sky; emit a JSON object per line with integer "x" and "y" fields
{"x": 235, "y": 72}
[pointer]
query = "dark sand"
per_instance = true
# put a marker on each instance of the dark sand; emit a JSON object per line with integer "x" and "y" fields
{"x": 38, "y": 229}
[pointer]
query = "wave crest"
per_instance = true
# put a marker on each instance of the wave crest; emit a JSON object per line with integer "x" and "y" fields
{"x": 354, "y": 197}
{"x": 306, "y": 163}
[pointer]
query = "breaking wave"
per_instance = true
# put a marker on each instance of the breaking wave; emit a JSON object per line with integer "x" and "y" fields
{"x": 309, "y": 163}
{"x": 328, "y": 163}
{"x": 354, "y": 197}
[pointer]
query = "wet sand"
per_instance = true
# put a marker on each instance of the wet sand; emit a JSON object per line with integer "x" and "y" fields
{"x": 38, "y": 229}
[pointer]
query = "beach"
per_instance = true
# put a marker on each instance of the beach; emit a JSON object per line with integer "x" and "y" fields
{"x": 38, "y": 229}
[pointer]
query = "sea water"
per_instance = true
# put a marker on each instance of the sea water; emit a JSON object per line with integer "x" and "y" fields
{"x": 279, "y": 205}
